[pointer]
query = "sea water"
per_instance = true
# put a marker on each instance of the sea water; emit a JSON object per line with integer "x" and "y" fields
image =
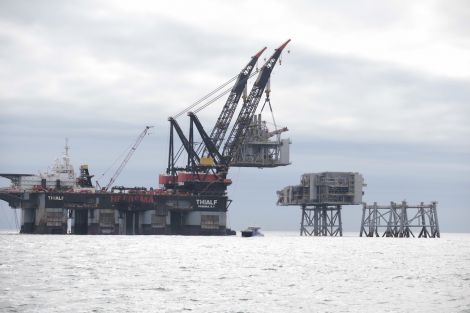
{"x": 281, "y": 272}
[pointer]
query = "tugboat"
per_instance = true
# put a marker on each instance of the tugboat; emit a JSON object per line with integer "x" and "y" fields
{"x": 252, "y": 232}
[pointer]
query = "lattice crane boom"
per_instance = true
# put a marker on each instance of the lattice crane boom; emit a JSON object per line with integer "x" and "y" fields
{"x": 127, "y": 158}
{"x": 222, "y": 124}
{"x": 249, "y": 107}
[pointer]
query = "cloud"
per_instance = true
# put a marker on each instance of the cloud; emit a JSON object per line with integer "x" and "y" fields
{"x": 381, "y": 88}
{"x": 365, "y": 100}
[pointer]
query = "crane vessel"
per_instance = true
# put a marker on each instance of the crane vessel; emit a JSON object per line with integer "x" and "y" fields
{"x": 192, "y": 195}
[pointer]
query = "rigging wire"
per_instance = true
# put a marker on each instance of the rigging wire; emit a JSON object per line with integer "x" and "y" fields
{"x": 200, "y": 147}
{"x": 206, "y": 96}
{"x": 212, "y": 100}
{"x": 115, "y": 161}
{"x": 212, "y": 93}
{"x": 220, "y": 95}
{"x": 178, "y": 153}
{"x": 205, "y": 105}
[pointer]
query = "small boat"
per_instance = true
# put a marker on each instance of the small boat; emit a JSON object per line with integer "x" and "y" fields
{"x": 252, "y": 232}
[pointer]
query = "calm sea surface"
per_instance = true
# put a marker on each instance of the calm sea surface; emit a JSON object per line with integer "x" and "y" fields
{"x": 280, "y": 272}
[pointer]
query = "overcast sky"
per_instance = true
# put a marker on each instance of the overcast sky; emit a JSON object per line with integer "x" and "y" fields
{"x": 377, "y": 87}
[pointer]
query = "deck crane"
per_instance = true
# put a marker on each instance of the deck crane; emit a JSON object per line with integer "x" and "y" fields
{"x": 219, "y": 160}
{"x": 222, "y": 124}
{"x": 237, "y": 135}
{"x": 245, "y": 116}
{"x": 127, "y": 158}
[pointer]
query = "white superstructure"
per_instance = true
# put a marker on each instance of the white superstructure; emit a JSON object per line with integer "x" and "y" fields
{"x": 60, "y": 175}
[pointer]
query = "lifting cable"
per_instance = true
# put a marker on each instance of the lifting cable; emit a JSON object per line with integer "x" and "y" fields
{"x": 272, "y": 114}
{"x": 268, "y": 100}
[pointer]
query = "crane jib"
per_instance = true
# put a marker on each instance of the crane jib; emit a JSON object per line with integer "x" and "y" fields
{"x": 209, "y": 156}
{"x": 248, "y": 109}
{"x": 127, "y": 158}
{"x": 221, "y": 125}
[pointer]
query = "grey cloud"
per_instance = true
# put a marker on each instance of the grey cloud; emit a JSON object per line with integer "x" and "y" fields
{"x": 396, "y": 112}
{"x": 156, "y": 43}
{"x": 455, "y": 17}
{"x": 357, "y": 14}
{"x": 377, "y": 95}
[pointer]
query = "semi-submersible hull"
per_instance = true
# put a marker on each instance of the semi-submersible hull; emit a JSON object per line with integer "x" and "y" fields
{"x": 59, "y": 202}
{"x": 142, "y": 213}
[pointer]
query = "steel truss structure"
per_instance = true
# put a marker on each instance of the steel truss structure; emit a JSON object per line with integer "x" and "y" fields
{"x": 321, "y": 220}
{"x": 321, "y": 197}
{"x": 400, "y": 220}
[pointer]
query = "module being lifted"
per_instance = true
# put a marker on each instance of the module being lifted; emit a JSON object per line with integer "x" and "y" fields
{"x": 335, "y": 188}
{"x": 262, "y": 147}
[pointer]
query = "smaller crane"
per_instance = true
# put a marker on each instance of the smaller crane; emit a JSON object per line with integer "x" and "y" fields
{"x": 127, "y": 158}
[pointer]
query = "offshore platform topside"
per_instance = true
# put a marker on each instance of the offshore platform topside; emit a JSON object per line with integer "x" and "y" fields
{"x": 191, "y": 198}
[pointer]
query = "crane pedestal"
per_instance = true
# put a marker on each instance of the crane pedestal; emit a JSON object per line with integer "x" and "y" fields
{"x": 321, "y": 220}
